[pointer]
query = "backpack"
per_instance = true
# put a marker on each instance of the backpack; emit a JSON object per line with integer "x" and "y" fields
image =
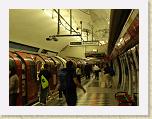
{"x": 44, "y": 82}
{"x": 78, "y": 71}
{"x": 66, "y": 82}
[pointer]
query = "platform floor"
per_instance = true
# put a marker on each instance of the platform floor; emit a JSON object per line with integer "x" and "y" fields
{"x": 96, "y": 95}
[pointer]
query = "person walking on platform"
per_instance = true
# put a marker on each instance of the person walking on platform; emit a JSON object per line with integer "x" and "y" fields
{"x": 109, "y": 72}
{"x": 96, "y": 70}
{"x": 44, "y": 77}
{"x": 78, "y": 73}
{"x": 68, "y": 83}
{"x": 87, "y": 70}
{"x": 13, "y": 86}
{"x": 60, "y": 86}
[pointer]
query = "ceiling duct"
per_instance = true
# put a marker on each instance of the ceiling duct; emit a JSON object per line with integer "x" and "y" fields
{"x": 70, "y": 21}
{"x": 58, "y": 32}
{"x": 118, "y": 18}
{"x": 54, "y": 37}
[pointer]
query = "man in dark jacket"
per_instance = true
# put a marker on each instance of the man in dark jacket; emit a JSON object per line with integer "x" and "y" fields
{"x": 13, "y": 86}
{"x": 44, "y": 77}
{"x": 69, "y": 89}
{"x": 108, "y": 70}
{"x": 87, "y": 70}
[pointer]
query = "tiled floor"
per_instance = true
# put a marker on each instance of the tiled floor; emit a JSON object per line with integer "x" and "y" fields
{"x": 96, "y": 95}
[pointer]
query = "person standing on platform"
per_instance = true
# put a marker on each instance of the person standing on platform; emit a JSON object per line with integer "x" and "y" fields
{"x": 13, "y": 86}
{"x": 87, "y": 70}
{"x": 109, "y": 73}
{"x": 44, "y": 77}
{"x": 60, "y": 86}
{"x": 96, "y": 70}
{"x": 78, "y": 73}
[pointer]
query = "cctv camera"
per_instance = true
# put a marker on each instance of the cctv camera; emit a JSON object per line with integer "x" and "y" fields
{"x": 55, "y": 39}
{"x": 47, "y": 39}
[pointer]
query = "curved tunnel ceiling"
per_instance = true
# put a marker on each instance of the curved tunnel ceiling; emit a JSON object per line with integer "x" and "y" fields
{"x": 117, "y": 20}
{"x": 32, "y": 26}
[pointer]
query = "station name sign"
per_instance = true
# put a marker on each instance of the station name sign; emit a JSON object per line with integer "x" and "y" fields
{"x": 75, "y": 43}
{"x": 90, "y": 43}
{"x": 85, "y": 43}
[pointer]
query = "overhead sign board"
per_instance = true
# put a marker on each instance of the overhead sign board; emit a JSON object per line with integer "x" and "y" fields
{"x": 85, "y": 43}
{"x": 94, "y": 54}
{"x": 91, "y": 43}
{"x": 75, "y": 43}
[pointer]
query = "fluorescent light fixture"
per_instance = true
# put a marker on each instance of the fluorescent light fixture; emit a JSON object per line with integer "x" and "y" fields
{"x": 94, "y": 50}
{"x": 118, "y": 44}
{"x": 102, "y": 42}
{"x": 121, "y": 39}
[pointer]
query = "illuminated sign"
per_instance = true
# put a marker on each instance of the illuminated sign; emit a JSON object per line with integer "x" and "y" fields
{"x": 90, "y": 43}
{"x": 95, "y": 55}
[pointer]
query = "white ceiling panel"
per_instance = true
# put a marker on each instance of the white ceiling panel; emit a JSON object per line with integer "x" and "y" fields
{"x": 33, "y": 26}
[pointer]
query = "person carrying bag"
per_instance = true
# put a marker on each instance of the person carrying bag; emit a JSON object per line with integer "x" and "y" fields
{"x": 44, "y": 77}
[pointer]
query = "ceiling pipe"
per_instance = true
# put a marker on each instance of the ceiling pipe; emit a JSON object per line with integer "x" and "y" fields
{"x": 92, "y": 32}
{"x": 70, "y": 21}
{"x": 65, "y": 35}
{"x": 81, "y": 30}
{"x": 66, "y": 22}
{"x": 53, "y": 37}
{"x": 87, "y": 34}
{"x": 58, "y": 32}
